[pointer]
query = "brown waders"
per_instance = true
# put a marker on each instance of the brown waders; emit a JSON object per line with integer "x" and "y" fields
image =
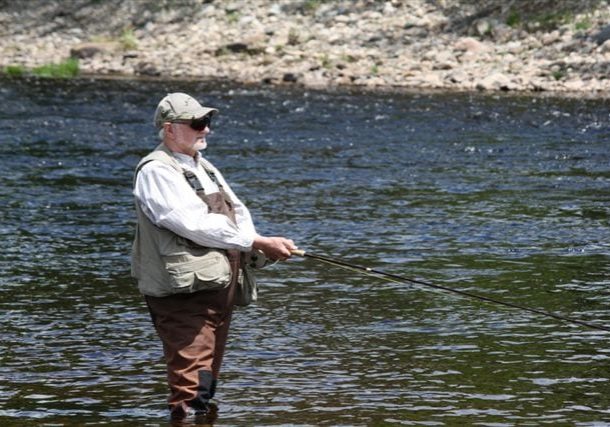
{"x": 194, "y": 329}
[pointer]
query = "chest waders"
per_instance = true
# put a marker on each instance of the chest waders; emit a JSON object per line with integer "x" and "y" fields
{"x": 194, "y": 326}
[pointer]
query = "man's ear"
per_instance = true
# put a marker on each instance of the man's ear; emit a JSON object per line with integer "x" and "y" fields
{"x": 169, "y": 130}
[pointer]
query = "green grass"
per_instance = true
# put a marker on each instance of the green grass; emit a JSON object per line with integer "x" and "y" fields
{"x": 233, "y": 17}
{"x": 14, "y": 70}
{"x": 545, "y": 17}
{"x": 311, "y": 6}
{"x": 558, "y": 75}
{"x": 583, "y": 24}
{"x": 326, "y": 62}
{"x": 66, "y": 69}
{"x": 513, "y": 20}
{"x": 128, "y": 39}
{"x": 552, "y": 20}
{"x": 349, "y": 59}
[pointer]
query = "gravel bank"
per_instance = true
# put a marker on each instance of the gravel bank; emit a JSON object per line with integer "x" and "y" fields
{"x": 440, "y": 44}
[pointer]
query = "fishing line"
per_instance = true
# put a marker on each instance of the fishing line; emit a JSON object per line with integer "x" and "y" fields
{"x": 400, "y": 279}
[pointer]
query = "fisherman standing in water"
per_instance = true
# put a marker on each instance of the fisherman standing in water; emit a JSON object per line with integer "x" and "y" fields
{"x": 191, "y": 234}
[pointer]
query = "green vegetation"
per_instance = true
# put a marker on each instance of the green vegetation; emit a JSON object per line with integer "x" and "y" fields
{"x": 546, "y": 20}
{"x": 311, "y": 6}
{"x": 233, "y": 16}
{"x": 66, "y": 69}
{"x": 326, "y": 62}
{"x": 551, "y": 20}
{"x": 513, "y": 19}
{"x": 583, "y": 24}
{"x": 128, "y": 39}
{"x": 14, "y": 70}
{"x": 293, "y": 37}
{"x": 531, "y": 15}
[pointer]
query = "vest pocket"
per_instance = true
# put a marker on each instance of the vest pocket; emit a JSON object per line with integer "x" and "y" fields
{"x": 190, "y": 273}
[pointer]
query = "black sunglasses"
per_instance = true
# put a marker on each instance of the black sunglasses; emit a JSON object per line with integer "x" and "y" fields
{"x": 198, "y": 124}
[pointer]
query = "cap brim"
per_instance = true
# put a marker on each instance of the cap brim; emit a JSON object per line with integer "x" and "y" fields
{"x": 202, "y": 112}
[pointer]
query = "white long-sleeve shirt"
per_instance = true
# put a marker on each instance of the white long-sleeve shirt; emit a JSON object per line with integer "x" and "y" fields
{"x": 169, "y": 202}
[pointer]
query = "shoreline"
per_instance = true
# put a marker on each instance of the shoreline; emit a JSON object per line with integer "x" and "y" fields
{"x": 320, "y": 45}
{"x": 399, "y": 90}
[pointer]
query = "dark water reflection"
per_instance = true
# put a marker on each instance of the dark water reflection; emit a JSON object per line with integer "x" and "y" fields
{"x": 503, "y": 196}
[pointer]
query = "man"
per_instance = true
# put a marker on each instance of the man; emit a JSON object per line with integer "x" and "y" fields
{"x": 191, "y": 234}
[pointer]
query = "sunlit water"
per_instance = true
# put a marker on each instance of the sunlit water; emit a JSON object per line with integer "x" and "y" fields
{"x": 502, "y": 196}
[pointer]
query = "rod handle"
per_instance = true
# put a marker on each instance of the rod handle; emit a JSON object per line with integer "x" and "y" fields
{"x": 298, "y": 252}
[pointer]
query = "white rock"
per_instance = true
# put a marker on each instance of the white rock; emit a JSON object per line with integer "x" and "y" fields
{"x": 495, "y": 81}
{"x": 469, "y": 44}
{"x": 275, "y": 9}
{"x": 605, "y": 47}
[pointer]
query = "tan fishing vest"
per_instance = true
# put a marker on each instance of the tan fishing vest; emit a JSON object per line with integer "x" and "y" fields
{"x": 165, "y": 263}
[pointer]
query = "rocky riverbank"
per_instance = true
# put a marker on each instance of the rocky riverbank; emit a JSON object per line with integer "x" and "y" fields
{"x": 458, "y": 45}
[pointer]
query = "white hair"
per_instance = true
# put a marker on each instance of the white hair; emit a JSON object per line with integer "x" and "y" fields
{"x": 162, "y": 134}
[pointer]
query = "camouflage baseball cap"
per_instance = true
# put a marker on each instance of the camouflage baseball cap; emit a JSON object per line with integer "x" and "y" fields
{"x": 179, "y": 106}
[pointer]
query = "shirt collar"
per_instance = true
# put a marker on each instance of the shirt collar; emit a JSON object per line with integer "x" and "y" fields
{"x": 186, "y": 159}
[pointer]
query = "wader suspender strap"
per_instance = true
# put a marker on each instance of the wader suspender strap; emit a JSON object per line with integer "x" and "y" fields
{"x": 193, "y": 181}
{"x": 190, "y": 177}
{"x": 141, "y": 166}
{"x": 211, "y": 175}
{"x": 135, "y": 175}
{"x": 195, "y": 184}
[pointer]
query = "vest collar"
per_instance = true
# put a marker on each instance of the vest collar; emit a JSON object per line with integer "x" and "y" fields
{"x": 183, "y": 159}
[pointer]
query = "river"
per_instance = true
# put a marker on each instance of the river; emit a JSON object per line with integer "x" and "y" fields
{"x": 502, "y": 195}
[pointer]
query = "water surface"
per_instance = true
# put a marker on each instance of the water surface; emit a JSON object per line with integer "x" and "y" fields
{"x": 505, "y": 196}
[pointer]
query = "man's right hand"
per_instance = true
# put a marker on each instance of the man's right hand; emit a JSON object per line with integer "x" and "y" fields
{"x": 275, "y": 248}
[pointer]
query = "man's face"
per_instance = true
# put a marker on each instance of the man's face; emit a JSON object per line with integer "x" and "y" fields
{"x": 185, "y": 139}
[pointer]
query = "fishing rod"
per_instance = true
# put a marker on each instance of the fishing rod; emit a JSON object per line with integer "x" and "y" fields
{"x": 396, "y": 278}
